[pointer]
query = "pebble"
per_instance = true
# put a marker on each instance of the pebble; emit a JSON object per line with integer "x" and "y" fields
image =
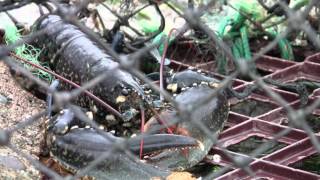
{"x": 127, "y": 124}
{"x": 12, "y": 163}
{"x": 3, "y": 99}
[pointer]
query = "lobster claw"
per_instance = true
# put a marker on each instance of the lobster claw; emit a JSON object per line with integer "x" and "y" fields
{"x": 89, "y": 140}
{"x": 158, "y": 142}
{"x": 213, "y": 115}
{"x": 80, "y": 146}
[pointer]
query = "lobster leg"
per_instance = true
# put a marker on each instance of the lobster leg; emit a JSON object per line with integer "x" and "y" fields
{"x": 53, "y": 86}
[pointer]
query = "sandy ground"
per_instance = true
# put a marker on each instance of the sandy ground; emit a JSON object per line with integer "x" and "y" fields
{"x": 19, "y": 106}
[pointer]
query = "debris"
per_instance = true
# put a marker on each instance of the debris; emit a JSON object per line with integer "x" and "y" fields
{"x": 3, "y": 99}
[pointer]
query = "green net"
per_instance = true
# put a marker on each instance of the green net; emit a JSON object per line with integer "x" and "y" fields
{"x": 26, "y": 51}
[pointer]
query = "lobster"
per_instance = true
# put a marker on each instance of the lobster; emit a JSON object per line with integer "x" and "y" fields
{"x": 78, "y": 58}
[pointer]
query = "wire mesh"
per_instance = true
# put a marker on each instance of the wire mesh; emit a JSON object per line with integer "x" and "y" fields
{"x": 202, "y": 51}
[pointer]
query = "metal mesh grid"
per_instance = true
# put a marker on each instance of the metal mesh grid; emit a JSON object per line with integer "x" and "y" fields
{"x": 301, "y": 139}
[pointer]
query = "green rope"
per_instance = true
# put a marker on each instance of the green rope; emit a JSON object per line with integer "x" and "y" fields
{"x": 245, "y": 43}
{"x": 239, "y": 46}
{"x": 284, "y": 46}
{"x": 286, "y": 49}
{"x": 236, "y": 51}
{"x": 221, "y": 63}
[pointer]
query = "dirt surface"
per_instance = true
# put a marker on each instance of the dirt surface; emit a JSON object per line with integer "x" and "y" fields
{"x": 15, "y": 106}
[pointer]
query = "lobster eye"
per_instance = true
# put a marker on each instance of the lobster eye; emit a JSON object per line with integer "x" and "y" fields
{"x": 124, "y": 92}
